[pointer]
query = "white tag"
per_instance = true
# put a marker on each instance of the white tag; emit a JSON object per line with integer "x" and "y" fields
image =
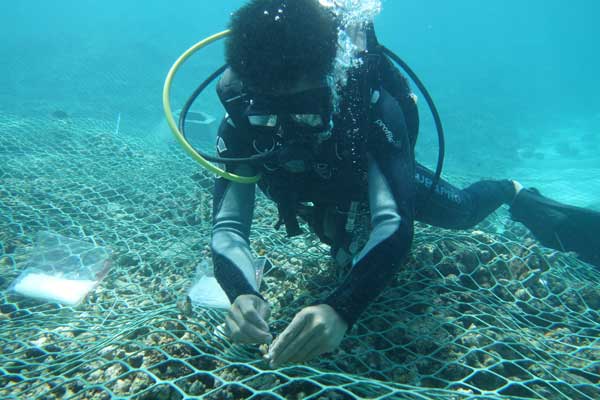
{"x": 52, "y": 288}
{"x": 221, "y": 146}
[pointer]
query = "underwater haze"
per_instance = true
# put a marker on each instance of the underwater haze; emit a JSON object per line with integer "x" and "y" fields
{"x": 93, "y": 183}
{"x": 515, "y": 82}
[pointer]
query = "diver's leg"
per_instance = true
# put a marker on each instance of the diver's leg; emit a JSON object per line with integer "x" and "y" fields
{"x": 559, "y": 226}
{"x": 450, "y": 207}
{"x": 555, "y": 225}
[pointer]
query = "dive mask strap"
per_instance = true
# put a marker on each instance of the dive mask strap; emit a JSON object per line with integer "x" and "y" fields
{"x": 233, "y": 98}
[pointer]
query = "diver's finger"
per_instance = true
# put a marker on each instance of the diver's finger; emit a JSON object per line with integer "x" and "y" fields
{"x": 281, "y": 341}
{"x": 289, "y": 335}
{"x": 244, "y": 332}
{"x": 312, "y": 350}
{"x": 244, "y": 314}
{"x": 250, "y": 314}
{"x": 238, "y": 329}
{"x": 296, "y": 349}
{"x": 264, "y": 310}
{"x": 230, "y": 325}
{"x": 252, "y": 334}
{"x": 235, "y": 314}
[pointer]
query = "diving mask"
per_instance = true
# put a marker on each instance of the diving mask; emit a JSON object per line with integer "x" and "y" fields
{"x": 297, "y": 115}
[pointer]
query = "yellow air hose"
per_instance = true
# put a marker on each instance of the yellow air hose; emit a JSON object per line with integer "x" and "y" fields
{"x": 173, "y": 125}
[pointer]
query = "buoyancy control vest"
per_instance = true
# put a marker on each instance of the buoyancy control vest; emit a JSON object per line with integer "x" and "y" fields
{"x": 347, "y": 144}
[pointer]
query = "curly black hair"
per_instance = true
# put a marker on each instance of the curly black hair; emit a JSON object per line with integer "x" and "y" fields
{"x": 274, "y": 43}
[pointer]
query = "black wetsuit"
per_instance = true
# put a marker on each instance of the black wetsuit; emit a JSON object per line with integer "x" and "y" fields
{"x": 395, "y": 188}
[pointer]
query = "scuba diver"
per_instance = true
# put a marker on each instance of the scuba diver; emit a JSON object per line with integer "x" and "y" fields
{"x": 331, "y": 153}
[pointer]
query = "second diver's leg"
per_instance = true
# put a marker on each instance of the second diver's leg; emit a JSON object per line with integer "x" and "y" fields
{"x": 555, "y": 225}
{"x": 559, "y": 226}
{"x": 453, "y": 208}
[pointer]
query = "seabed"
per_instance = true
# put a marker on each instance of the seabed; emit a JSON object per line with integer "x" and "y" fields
{"x": 478, "y": 314}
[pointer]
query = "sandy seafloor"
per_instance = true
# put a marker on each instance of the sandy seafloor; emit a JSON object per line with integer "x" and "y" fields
{"x": 483, "y": 313}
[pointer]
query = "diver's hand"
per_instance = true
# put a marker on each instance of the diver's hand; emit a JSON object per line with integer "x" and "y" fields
{"x": 313, "y": 331}
{"x": 245, "y": 321}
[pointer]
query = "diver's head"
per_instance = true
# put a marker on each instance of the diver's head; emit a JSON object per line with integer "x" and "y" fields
{"x": 283, "y": 51}
{"x": 282, "y": 45}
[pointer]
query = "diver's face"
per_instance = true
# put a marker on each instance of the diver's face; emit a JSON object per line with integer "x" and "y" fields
{"x": 296, "y": 110}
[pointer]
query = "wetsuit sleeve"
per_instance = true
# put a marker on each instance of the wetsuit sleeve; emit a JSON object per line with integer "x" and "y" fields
{"x": 233, "y": 207}
{"x": 391, "y": 185}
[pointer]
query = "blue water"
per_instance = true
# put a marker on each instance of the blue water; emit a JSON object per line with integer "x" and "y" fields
{"x": 515, "y": 81}
{"x": 505, "y": 74}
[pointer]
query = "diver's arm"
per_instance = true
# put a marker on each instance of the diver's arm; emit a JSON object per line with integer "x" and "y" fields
{"x": 234, "y": 265}
{"x": 233, "y": 207}
{"x": 391, "y": 201}
{"x": 233, "y": 262}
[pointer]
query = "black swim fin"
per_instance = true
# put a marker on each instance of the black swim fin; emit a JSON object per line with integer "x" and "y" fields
{"x": 559, "y": 226}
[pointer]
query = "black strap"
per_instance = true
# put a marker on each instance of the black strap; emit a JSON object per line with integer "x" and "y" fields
{"x": 287, "y": 209}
